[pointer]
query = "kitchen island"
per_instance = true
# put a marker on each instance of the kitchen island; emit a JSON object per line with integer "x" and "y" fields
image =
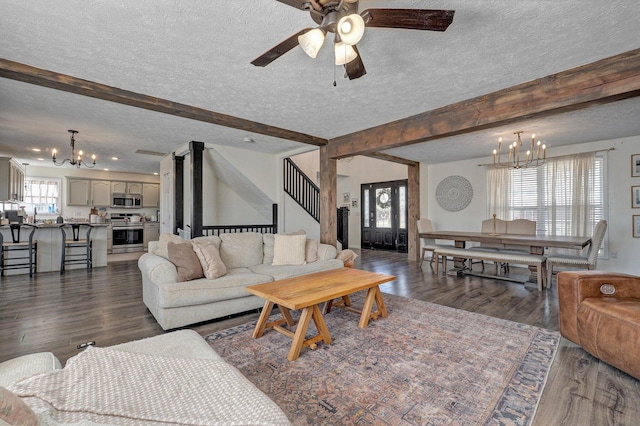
{"x": 49, "y": 238}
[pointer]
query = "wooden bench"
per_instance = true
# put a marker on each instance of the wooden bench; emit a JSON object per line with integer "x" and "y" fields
{"x": 496, "y": 256}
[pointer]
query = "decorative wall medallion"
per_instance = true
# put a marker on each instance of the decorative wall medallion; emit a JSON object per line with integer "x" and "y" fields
{"x": 454, "y": 193}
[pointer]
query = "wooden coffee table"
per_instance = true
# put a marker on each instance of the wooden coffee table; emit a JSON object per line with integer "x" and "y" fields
{"x": 306, "y": 292}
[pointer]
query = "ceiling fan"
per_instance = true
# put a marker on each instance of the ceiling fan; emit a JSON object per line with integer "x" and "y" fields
{"x": 341, "y": 18}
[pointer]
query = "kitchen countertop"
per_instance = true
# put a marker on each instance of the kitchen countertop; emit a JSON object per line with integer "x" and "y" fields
{"x": 57, "y": 225}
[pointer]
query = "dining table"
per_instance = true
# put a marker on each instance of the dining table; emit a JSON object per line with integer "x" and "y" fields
{"x": 536, "y": 243}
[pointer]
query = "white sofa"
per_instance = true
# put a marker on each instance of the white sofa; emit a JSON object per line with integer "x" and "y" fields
{"x": 186, "y": 348}
{"x": 248, "y": 259}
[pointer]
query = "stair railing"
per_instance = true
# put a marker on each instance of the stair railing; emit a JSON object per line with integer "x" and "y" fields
{"x": 302, "y": 189}
{"x": 307, "y": 194}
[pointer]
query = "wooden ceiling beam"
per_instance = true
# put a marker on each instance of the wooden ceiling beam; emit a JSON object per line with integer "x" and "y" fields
{"x": 392, "y": 158}
{"x": 604, "y": 81}
{"x": 41, "y": 77}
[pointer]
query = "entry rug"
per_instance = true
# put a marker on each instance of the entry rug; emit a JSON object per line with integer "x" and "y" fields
{"x": 424, "y": 364}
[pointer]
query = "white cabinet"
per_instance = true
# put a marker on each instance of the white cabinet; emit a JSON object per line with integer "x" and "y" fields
{"x": 109, "y": 239}
{"x": 150, "y": 195}
{"x": 134, "y": 188}
{"x": 118, "y": 187}
{"x": 101, "y": 193}
{"x": 151, "y": 233}
{"x": 78, "y": 191}
{"x": 11, "y": 180}
{"x": 126, "y": 187}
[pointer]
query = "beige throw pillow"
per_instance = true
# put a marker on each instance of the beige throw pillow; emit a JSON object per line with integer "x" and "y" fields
{"x": 289, "y": 249}
{"x": 186, "y": 261}
{"x": 209, "y": 257}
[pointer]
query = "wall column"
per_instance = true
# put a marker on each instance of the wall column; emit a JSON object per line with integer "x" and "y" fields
{"x": 328, "y": 198}
{"x": 178, "y": 192}
{"x": 196, "y": 149}
{"x": 413, "y": 193}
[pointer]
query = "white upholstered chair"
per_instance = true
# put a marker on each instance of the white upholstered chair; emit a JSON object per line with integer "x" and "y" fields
{"x": 490, "y": 226}
{"x": 428, "y": 244}
{"x": 589, "y": 261}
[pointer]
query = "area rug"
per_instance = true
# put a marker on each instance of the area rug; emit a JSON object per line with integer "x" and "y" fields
{"x": 424, "y": 364}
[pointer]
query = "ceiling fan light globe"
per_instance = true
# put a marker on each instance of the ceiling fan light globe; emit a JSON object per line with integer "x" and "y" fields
{"x": 345, "y": 53}
{"x": 351, "y": 28}
{"x": 311, "y": 42}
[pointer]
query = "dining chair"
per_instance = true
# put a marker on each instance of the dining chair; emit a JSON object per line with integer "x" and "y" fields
{"x": 519, "y": 227}
{"x": 78, "y": 248}
{"x": 429, "y": 244}
{"x": 19, "y": 253}
{"x": 589, "y": 261}
{"x": 489, "y": 226}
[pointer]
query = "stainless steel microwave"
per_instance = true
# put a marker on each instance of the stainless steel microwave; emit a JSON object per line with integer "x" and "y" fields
{"x": 126, "y": 200}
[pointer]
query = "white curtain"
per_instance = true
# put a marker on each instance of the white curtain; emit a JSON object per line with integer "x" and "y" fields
{"x": 567, "y": 195}
{"x": 498, "y": 193}
{"x": 559, "y": 196}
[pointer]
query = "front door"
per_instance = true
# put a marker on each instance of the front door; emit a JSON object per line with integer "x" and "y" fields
{"x": 384, "y": 215}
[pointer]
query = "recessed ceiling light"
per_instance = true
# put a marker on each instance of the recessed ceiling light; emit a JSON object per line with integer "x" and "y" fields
{"x": 106, "y": 170}
{"x": 114, "y": 158}
{"x": 156, "y": 173}
{"x": 40, "y": 159}
{"x": 248, "y": 140}
{"x": 36, "y": 149}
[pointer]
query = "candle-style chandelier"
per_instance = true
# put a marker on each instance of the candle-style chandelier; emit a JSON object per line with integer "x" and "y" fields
{"x": 534, "y": 157}
{"x": 74, "y": 160}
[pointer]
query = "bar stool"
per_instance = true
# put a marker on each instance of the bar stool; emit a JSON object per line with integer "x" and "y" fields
{"x": 22, "y": 260}
{"x": 77, "y": 250}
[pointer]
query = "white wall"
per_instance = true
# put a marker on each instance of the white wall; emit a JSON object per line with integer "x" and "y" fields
{"x": 63, "y": 172}
{"x": 623, "y": 248}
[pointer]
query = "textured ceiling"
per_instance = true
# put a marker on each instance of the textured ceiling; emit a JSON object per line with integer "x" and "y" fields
{"x": 198, "y": 53}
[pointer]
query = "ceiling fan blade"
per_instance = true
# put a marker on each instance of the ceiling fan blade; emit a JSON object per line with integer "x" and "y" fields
{"x": 411, "y": 19}
{"x": 355, "y": 69}
{"x": 298, "y": 4}
{"x": 276, "y": 51}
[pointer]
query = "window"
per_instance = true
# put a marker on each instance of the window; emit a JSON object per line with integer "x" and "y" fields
{"x": 566, "y": 196}
{"x": 42, "y": 194}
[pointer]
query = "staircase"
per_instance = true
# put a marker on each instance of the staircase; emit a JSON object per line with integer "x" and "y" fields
{"x": 307, "y": 194}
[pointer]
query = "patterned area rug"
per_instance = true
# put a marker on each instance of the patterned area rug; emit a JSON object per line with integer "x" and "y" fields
{"x": 425, "y": 364}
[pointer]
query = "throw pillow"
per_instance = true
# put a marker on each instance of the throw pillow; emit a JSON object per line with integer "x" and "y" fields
{"x": 289, "y": 249}
{"x": 186, "y": 261}
{"x": 209, "y": 257}
{"x": 311, "y": 250}
{"x": 14, "y": 411}
{"x": 164, "y": 240}
{"x": 347, "y": 257}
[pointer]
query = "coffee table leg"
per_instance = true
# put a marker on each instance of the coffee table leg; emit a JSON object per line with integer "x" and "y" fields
{"x": 262, "y": 321}
{"x": 321, "y": 325}
{"x": 286, "y": 314}
{"x": 301, "y": 331}
{"x": 373, "y": 295}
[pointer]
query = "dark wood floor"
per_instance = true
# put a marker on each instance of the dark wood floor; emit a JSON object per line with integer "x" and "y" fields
{"x": 54, "y": 313}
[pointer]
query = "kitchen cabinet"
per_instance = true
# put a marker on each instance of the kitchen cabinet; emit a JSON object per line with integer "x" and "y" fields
{"x": 150, "y": 195}
{"x": 126, "y": 187}
{"x": 151, "y": 233}
{"x": 78, "y": 191}
{"x": 11, "y": 180}
{"x": 109, "y": 239}
{"x": 101, "y": 193}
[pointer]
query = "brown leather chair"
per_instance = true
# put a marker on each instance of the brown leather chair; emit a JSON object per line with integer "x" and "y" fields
{"x": 600, "y": 311}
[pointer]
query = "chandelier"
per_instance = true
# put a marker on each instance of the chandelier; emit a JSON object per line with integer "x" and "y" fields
{"x": 74, "y": 160}
{"x": 534, "y": 157}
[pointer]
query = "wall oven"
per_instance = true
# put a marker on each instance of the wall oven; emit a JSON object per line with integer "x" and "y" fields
{"x": 127, "y": 236}
{"x": 126, "y": 200}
